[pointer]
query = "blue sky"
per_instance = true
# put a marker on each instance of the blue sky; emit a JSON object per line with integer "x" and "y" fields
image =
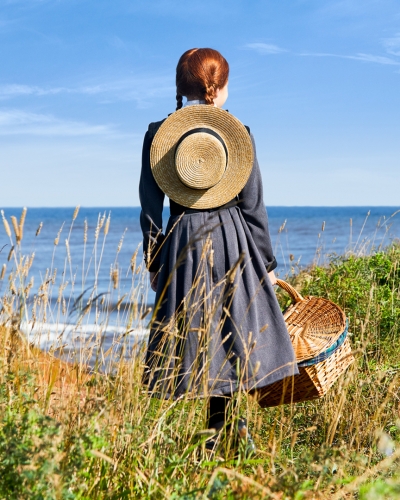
{"x": 318, "y": 82}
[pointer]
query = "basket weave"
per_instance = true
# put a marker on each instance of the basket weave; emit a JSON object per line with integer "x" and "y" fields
{"x": 313, "y": 381}
{"x": 313, "y": 323}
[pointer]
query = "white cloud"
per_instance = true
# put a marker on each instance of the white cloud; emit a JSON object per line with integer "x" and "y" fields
{"x": 7, "y": 24}
{"x": 392, "y": 45}
{"x": 374, "y": 59}
{"x": 27, "y": 3}
{"x": 181, "y": 9}
{"x": 265, "y": 48}
{"x": 358, "y": 57}
{"x": 117, "y": 42}
{"x": 137, "y": 89}
{"x": 14, "y": 90}
{"x": 349, "y": 8}
{"x": 19, "y": 122}
{"x": 70, "y": 171}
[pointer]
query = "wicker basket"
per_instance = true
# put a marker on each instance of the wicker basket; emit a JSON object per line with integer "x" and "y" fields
{"x": 314, "y": 380}
{"x": 313, "y": 323}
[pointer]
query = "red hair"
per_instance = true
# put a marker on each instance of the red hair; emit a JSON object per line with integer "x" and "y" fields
{"x": 200, "y": 72}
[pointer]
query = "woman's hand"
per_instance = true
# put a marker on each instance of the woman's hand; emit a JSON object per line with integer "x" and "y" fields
{"x": 272, "y": 278}
{"x": 153, "y": 280}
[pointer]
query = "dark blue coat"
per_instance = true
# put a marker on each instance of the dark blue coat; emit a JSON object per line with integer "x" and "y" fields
{"x": 217, "y": 325}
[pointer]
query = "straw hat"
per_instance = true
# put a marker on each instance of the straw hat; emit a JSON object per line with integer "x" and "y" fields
{"x": 201, "y": 156}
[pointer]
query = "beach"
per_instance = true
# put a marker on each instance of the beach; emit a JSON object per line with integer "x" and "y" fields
{"x": 75, "y": 260}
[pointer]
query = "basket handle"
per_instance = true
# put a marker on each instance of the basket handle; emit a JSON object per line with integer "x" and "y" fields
{"x": 290, "y": 290}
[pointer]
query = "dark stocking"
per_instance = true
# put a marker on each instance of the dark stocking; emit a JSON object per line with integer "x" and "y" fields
{"x": 217, "y": 411}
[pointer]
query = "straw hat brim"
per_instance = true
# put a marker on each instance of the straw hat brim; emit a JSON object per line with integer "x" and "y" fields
{"x": 239, "y": 162}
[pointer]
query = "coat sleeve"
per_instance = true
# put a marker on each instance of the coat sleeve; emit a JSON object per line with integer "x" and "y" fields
{"x": 251, "y": 203}
{"x": 152, "y": 202}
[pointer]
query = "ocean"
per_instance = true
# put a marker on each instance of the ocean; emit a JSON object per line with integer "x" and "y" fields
{"x": 301, "y": 236}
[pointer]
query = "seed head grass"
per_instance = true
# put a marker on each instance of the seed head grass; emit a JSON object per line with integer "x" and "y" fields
{"x": 76, "y": 421}
{"x": 6, "y": 224}
{"x": 22, "y": 222}
{"x": 39, "y": 229}
{"x": 15, "y": 226}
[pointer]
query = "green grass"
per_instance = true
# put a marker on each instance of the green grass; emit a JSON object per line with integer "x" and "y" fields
{"x": 67, "y": 435}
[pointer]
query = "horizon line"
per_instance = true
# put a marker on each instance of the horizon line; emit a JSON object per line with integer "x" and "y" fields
{"x": 166, "y": 206}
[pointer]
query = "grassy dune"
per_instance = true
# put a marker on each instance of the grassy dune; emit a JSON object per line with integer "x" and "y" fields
{"x": 67, "y": 433}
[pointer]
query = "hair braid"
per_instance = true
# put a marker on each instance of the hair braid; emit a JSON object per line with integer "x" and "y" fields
{"x": 209, "y": 94}
{"x": 178, "y": 102}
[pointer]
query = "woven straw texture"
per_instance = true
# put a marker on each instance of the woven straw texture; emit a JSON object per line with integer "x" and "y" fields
{"x": 313, "y": 382}
{"x": 201, "y": 163}
{"x": 309, "y": 318}
{"x": 313, "y": 323}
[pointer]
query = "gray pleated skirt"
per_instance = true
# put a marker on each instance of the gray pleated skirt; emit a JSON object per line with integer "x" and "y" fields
{"x": 217, "y": 326}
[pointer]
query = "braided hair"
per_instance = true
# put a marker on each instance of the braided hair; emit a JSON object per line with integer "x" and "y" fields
{"x": 200, "y": 72}
{"x": 178, "y": 102}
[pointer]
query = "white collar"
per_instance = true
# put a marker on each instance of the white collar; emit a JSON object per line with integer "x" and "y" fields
{"x": 195, "y": 101}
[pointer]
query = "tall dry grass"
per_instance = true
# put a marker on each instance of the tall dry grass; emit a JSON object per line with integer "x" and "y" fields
{"x": 67, "y": 431}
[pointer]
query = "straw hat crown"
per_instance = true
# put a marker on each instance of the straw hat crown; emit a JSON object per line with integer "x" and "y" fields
{"x": 201, "y": 157}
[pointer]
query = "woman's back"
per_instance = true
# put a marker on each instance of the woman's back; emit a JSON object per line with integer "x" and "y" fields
{"x": 217, "y": 326}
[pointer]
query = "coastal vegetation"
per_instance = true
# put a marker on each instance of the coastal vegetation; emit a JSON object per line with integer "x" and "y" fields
{"x": 70, "y": 433}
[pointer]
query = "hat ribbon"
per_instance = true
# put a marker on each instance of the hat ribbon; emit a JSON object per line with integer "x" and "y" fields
{"x": 207, "y": 131}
